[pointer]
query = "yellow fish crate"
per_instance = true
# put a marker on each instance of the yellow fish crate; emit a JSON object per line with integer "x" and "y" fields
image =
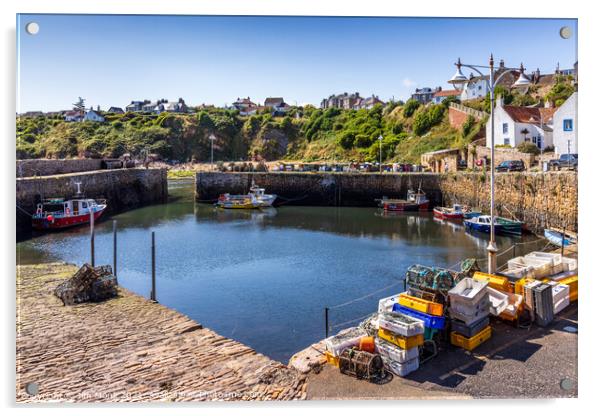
{"x": 495, "y": 282}
{"x": 421, "y": 305}
{"x": 405, "y": 343}
{"x": 331, "y": 359}
{"x": 473, "y": 342}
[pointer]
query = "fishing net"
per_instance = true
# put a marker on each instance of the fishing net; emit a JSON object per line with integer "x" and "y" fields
{"x": 361, "y": 364}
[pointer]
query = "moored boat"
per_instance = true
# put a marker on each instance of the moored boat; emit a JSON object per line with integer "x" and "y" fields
{"x": 456, "y": 212}
{"x": 558, "y": 239}
{"x": 416, "y": 201}
{"x": 58, "y": 213}
{"x": 256, "y": 198}
{"x": 502, "y": 225}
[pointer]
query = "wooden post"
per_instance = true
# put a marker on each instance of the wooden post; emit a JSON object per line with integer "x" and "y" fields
{"x": 91, "y": 236}
{"x": 153, "y": 287}
{"x": 115, "y": 248}
{"x": 326, "y": 321}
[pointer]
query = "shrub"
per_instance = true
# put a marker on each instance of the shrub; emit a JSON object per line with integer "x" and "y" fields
{"x": 527, "y": 147}
{"x": 410, "y": 107}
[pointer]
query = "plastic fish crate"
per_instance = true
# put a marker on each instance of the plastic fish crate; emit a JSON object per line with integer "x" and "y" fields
{"x": 468, "y": 295}
{"x": 539, "y": 267}
{"x": 498, "y": 300}
{"x": 469, "y": 331}
{"x": 402, "y": 342}
{"x": 544, "y": 304}
{"x": 401, "y": 369}
{"x": 337, "y": 343}
{"x": 430, "y": 321}
{"x": 554, "y": 258}
{"x": 472, "y": 342}
{"x": 386, "y": 304}
{"x": 331, "y": 359}
{"x": 401, "y": 324}
{"x": 421, "y": 305}
{"x": 560, "y": 297}
{"x": 573, "y": 284}
{"x": 500, "y": 283}
{"x": 471, "y": 318}
{"x": 515, "y": 306}
{"x": 391, "y": 351}
{"x": 568, "y": 264}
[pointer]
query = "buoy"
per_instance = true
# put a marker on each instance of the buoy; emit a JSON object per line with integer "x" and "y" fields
{"x": 50, "y": 218}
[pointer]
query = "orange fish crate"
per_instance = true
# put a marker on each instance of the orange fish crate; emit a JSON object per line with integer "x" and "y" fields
{"x": 421, "y": 305}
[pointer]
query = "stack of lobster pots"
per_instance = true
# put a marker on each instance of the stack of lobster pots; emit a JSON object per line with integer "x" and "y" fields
{"x": 469, "y": 308}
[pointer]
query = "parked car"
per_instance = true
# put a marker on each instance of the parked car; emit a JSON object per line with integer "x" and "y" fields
{"x": 567, "y": 160}
{"x": 511, "y": 166}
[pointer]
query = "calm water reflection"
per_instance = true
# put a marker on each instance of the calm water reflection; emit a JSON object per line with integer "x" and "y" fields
{"x": 264, "y": 277}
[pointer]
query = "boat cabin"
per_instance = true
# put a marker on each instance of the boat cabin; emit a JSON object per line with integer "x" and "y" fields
{"x": 416, "y": 197}
{"x": 60, "y": 207}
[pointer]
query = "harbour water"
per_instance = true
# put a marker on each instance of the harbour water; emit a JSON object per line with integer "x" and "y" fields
{"x": 264, "y": 277}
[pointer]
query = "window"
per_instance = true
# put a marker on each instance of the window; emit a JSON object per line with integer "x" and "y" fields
{"x": 567, "y": 124}
{"x": 506, "y": 141}
{"x": 505, "y": 128}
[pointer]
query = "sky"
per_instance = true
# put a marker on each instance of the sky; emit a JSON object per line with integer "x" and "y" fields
{"x": 111, "y": 60}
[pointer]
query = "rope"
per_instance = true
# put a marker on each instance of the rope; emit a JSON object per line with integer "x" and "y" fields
{"x": 363, "y": 297}
{"x": 22, "y": 210}
{"x": 348, "y": 322}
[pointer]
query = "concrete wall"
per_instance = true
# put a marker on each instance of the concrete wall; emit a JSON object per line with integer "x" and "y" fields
{"x": 45, "y": 167}
{"x": 539, "y": 199}
{"x": 123, "y": 189}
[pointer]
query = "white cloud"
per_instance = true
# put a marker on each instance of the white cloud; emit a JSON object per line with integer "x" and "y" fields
{"x": 408, "y": 83}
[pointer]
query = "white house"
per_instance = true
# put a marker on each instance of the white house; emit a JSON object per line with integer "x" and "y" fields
{"x": 443, "y": 94}
{"x": 475, "y": 88}
{"x": 565, "y": 126}
{"x": 515, "y": 125}
{"x": 92, "y": 115}
{"x": 74, "y": 115}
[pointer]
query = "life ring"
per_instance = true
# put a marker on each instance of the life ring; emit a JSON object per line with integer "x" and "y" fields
{"x": 479, "y": 162}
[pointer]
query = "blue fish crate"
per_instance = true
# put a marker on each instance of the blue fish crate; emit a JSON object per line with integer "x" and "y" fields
{"x": 430, "y": 321}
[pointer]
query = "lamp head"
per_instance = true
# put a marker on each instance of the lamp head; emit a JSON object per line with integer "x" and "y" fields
{"x": 459, "y": 78}
{"x": 522, "y": 80}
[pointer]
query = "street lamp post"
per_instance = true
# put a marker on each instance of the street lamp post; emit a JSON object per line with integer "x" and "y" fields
{"x": 380, "y": 150}
{"x": 212, "y": 138}
{"x": 458, "y": 80}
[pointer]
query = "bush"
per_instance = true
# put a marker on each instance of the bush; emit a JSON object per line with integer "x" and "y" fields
{"x": 410, "y": 107}
{"x": 527, "y": 147}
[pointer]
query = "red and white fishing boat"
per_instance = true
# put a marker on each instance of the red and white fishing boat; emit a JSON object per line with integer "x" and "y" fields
{"x": 58, "y": 213}
{"x": 416, "y": 201}
{"x": 456, "y": 212}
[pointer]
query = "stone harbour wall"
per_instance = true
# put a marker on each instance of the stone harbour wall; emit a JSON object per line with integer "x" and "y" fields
{"x": 540, "y": 199}
{"x": 122, "y": 188}
{"x": 45, "y": 167}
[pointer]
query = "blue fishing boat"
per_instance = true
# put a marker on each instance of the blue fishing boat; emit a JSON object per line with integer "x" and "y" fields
{"x": 502, "y": 225}
{"x": 557, "y": 238}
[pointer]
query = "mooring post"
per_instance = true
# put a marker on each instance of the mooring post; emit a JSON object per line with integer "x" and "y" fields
{"x": 514, "y": 251}
{"x": 562, "y": 242}
{"x": 326, "y": 321}
{"x": 115, "y": 248}
{"x": 92, "y": 237}
{"x": 153, "y": 287}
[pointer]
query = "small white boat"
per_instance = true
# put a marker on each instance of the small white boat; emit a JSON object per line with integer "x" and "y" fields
{"x": 558, "y": 239}
{"x": 256, "y": 198}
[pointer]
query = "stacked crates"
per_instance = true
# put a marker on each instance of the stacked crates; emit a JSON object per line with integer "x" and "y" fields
{"x": 399, "y": 337}
{"x": 469, "y": 310}
{"x": 544, "y": 304}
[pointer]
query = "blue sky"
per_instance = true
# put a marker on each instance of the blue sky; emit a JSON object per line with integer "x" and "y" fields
{"x": 111, "y": 60}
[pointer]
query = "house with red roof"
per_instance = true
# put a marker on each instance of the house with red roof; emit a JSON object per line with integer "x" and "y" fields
{"x": 514, "y": 125}
{"x": 441, "y": 95}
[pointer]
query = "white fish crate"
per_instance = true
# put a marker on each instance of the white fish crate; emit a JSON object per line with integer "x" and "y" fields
{"x": 555, "y": 258}
{"x": 539, "y": 267}
{"x": 498, "y": 300}
{"x": 392, "y": 352}
{"x": 467, "y": 294}
{"x": 401, "y": 369}
{"x": 560, "y": 297}
{"x": 400, "y": 324}
{"x": 568, "y": 264}
{"x": 344, "y": 339}
{"x": 386, "y": 304}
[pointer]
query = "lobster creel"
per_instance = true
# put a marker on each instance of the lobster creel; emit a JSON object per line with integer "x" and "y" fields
{"x": 361, "y": 364}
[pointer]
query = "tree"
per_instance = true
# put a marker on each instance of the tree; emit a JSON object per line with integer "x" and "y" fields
{"x": 410, "y": 106}
{"x": 80, "y": 105}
